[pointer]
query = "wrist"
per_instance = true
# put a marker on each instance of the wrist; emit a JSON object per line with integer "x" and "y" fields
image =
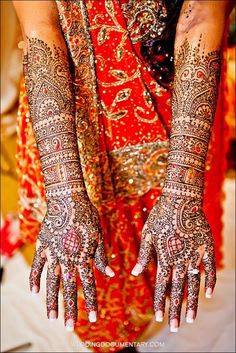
{"x": 63, "y": 190}
{"x": 184, "y": 176}
{"x": 175, "y": 189}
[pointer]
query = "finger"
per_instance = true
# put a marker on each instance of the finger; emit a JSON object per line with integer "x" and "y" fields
{"x": 176, "y": 297}
{"x": 162, "y": 280}
{"x": 89, "y": 289}
{"x": 193, "y": 287}
{"x": 53, "y": 286}
{"x": 210, "y": 271}
{"x": 36, "y": 270}
{"x": 145, "y": 255}
{"x": 100, "y": 260}
{"x": 69, "y": 282}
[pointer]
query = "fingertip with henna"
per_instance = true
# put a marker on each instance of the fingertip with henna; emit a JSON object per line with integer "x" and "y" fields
{"x": 70, "y": 325}
{"x": 174, "y": 326}
{"x": 35, "y": 290}
{"x": 92, "y": 316}
{"x": 190, "y": 317}
{"x": 136, "y": 270}
{"x": 109, "y": 272}
{"x": 52, "y": 315}
{"x": 208, "y": 293}
{"x": 159, "y": 316}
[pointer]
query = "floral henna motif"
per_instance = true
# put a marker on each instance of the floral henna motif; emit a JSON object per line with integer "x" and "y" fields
{"x": 70, "y": 236}
{"x": 177, "y": 226}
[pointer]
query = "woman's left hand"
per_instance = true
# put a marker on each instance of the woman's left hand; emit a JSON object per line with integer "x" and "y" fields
{"x": 178, "y": 230}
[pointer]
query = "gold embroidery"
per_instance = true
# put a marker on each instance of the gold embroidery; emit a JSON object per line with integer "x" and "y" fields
{"x": 145, "y": 18}
{"x": 121, "y": 76}
{"x": 102, "y": 170}
{"x": 137, "y": 169}
{"x": 86, "y": 99}
{"x": 105, "y": 29}
{"x": 113, "y": 116}
{"x": 138, "y": 111}
{"x": 121, "y": 96}
{"x": 100, "y": 28}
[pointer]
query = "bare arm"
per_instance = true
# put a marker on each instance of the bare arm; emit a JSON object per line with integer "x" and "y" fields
{"x": 70, "y": 236}
{"x": 177, "y": 226}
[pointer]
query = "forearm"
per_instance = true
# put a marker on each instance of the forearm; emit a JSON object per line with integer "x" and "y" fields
{"x": 177, "y": 226}
{"x": 194, "y": 100}
{"x": 51, "y": 102}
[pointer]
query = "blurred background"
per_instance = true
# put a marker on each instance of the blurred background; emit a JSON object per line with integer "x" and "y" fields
{"x": 24, "y": 324}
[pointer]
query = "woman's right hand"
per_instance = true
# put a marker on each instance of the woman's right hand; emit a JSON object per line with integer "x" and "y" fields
{"x": 70, "y": 239}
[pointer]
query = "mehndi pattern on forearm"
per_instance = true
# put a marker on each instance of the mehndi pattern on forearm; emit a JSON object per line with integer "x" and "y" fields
{"x": 177, "y": 226}
{"x": 193, "y": 108}
{"x": 70, "y": 236}
{"x": 50, "y": 95}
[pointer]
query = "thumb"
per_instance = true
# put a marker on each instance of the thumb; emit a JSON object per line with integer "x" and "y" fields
{"x": 100, "y": 260}
{"x": 145, "y": 255}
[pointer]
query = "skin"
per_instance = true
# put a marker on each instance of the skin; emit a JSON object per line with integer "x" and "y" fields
{"x": 177, "y": 228}
{"x": 70, "y": 238}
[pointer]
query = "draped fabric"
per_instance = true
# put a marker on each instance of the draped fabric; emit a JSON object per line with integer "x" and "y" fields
{"x": 123, "y": 117}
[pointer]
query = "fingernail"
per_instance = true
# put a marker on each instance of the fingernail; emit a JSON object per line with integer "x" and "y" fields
{"x": 93, "y": 316}
{"x": 174, "y": 329}
{"x": 208, "y": 293}
{"x": 35, "y": 290}
{"x": 70, "y": 325}
{"x": 174, "y": 325}
{"x": 52, "y": 315}
{"x": 136, "y": 270}
{"x": 109, "y": 272}
{"x": 190, "y": 317}
{"x": 159, "y": 316}
{"x": 69, "y": 328}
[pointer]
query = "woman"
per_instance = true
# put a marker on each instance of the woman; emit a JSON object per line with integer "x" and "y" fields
{"x": 98, "y": 77}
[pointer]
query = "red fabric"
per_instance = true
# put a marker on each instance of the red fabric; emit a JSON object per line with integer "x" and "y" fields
{"x": 127, "y": 125}
{"x": 10, "y": 236}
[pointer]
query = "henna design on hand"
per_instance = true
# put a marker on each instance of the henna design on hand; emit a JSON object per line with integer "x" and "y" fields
{"x": 70, "y": 237}
{"x": 177, "y": 226}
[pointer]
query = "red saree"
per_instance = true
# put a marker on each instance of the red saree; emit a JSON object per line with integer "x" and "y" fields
{"x": 123, "y": 119}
